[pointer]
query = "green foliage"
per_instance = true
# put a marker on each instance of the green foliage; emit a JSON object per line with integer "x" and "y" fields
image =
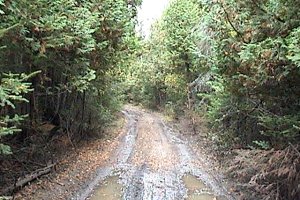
{"x": 12, "y": 90}
{"x": 287, "y": 126}
{"x": 82, "y": 83}
{"x": 250, "y": 52}
{"x": 262, "y": 144}
{"x": 168, "y": 60}
{"x": 293, "y": 47}
{"x": 255, "y": 52}
{"x": 79, "y": 48}
{"x": 5, "y": 198}
{"x": 12, "y": 86}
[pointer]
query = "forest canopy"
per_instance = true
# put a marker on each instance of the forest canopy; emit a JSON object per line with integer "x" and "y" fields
{"x": 70, "y": 51}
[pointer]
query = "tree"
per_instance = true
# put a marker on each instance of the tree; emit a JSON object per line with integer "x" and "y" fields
{"x": 78, "y": 48}
{"x": 12, "y": 90}
{"x": 169, "y": 57}
{"x": 255, "y": 61}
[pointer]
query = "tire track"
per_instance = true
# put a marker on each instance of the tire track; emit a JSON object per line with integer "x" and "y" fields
{"x": 152, "y": 160}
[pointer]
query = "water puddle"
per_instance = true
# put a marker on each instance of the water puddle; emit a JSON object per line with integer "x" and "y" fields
{"x": 197, "y": 190}
{"x": 110, "y": 189}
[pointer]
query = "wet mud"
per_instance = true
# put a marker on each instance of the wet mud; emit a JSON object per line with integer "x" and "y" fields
{"x": 110, "y": 189}
{"x": 196, "y": 189}
{"x": 152, "y": 162}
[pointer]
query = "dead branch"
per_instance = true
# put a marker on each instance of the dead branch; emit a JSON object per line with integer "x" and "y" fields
{"x": 27, "y": 179}
{"x": 295, "y": 149}
{"x": 229, "y": 21}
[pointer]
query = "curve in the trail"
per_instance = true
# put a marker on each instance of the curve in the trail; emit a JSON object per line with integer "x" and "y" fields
{"x": 153, "y": 163}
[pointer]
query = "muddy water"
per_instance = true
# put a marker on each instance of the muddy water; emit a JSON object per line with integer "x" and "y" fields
{"x": 197, "y": 190}
{"x": 110, "y": 189}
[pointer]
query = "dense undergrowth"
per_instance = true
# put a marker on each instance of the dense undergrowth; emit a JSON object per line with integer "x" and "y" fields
{"x": 261, "y": 174}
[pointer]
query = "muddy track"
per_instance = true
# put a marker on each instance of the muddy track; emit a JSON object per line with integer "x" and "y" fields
{"x": 152, "y": 162}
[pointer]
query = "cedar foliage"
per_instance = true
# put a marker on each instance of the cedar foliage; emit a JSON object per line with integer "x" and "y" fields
{"x": 238, "y": 60}
{"x": 59, "y": 61}
{"x": 255, "y": 61}
{"x": 76, "y": 46}
{"x": 238, "y": 63}
{"x": 168, "y": 60}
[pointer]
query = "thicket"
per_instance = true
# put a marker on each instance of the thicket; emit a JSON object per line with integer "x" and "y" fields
{"x": 59, "y": 62}
{"x": 254, "y": 101}
{"x": 77, "y": 48}
{"x": 254, "y": 60}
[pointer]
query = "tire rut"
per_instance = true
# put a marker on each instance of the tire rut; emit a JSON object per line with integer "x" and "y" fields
{"x": 135, "y": 188}
{"x": 152, "y": 160}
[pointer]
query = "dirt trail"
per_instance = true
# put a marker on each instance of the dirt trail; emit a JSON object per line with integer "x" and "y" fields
{"x": 152, "y": 162}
